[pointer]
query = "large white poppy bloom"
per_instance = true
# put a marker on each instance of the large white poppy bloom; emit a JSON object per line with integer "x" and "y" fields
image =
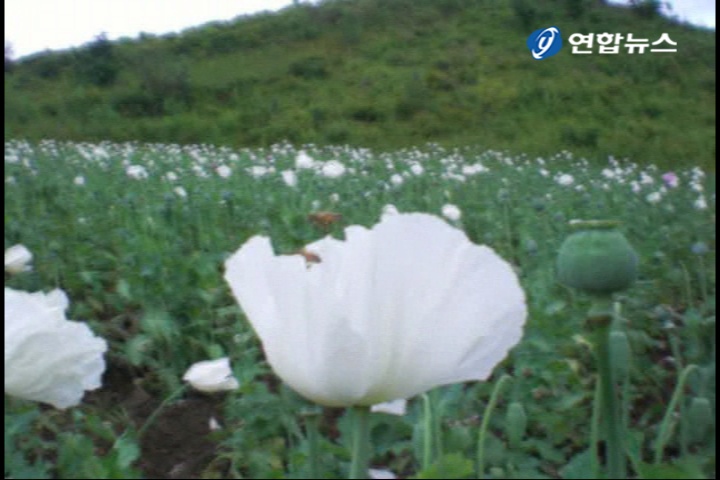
{"x": 47, "y": 357}
{"x": 387, "y": 314}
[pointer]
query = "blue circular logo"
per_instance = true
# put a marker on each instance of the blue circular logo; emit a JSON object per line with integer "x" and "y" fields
{"x": 544, "y": 43}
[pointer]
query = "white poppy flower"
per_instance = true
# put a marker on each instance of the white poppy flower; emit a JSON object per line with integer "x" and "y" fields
{"x": 701, "y": 203}
{"x": 390, "y": 209}
{"x": 137, "y": 172}
{"x": 333, "y": 169}
{"x": 397, "y": 179}
{"x": 565, "y": 180}
{"x": 211, "y": 376}
{"x": 289, "y": 177}
{"x": 17, "y": 259}
{"x": 451, "y": 212}
{"x": 395, "y": 407}
{"x": 654, "y": 197}
{"x": 48, "y": 358}
{"x": 224, "y": 171}
{"x": 303, "y": 160}
{"x": 417, "y": 169}
{"x": 180, "y": 192}
{"x": 377, "y": 474}
{"x": 386, "y": 314}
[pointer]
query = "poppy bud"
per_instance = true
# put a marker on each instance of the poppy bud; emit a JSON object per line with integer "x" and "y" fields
{"x": 598, "y": 259}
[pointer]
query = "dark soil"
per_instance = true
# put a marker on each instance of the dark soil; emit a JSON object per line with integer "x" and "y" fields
{"x": 176, "y": 443}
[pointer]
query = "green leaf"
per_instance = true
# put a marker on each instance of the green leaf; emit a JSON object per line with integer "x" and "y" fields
{"x": 449, "y": 466}
{"x": 579, "y": 467}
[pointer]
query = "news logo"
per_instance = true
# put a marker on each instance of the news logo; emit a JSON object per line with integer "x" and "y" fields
{"x": 544, "y": 43}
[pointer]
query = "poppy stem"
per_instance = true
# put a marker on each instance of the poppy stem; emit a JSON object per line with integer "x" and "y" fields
{"x": 361, "y": 443}
{"x": 600, "y": 320}
{"x": 499, "y": 386}
{"x": 151, "y": 419}
{"x": 312, "y": 429}
{"x": 666, "y": 427}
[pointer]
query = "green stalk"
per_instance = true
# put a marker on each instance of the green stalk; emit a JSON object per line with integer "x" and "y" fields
{"x": 151, "y": 419}
{"x": 595, "y": 434}
{"x": 312, "y": 421}
{"x": 666, "y": 425}
{"x": 427, "y": 433}
{"x": 486, "y": 423}
{"x": 361, "y": 443}
{"x": 436, "y": 423}
{"x": 702, "y": 279}
{"x": 600, "y": 319}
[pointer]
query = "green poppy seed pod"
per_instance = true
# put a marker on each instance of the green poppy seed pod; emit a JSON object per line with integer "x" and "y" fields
{"x": 516, "y": 423}
{"x": 620, "y": 354}
{"x": 699, "y": 418}
{"x": 597, "y": 259}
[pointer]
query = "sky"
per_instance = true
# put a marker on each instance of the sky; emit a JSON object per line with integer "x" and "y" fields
{"x": 36, "y": 25}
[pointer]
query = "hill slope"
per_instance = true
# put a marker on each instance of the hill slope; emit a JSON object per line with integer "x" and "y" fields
{"x": 385, "y": 74}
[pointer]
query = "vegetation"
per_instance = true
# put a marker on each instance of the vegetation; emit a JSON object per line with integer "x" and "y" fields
{"x": 137, "y": 236}
{"x": 384, "y": 74}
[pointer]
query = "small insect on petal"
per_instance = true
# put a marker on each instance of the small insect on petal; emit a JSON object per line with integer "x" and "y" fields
{"x": 324, "y": 219}
{"x": 309, "y": 257}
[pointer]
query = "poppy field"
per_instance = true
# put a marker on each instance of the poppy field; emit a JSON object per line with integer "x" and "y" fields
{"x": 173, "y": 255}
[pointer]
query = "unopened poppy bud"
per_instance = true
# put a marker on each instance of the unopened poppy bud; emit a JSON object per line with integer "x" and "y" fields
{"x": 699, "y": 418}
{"x": 598, "y": 259}
{"x": 621, "y": 354}
{"x": 516, "y": 421}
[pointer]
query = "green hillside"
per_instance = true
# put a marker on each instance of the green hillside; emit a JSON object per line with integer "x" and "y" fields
{"x": 385, "y": 74}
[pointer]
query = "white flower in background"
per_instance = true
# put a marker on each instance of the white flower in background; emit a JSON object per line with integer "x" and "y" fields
{"x": 635, "y": 187}
{"x": 214, "y": 425}
{"x": 397, "y": 179}
{"x": 199, "y": 171}
{"x": 180, "y": 192}
{"x": 417, "y": 169}
{"x": 565, "y": 180}
{"x": 697, "y": 186}
{"x": 17, "y": 259}
{"x": 701, "y": 204}
{"x": 11, "y": 180}
{"x": 224, "y": 171}
{"x": 390, "y": 209}
{"x": 654, "y": 197}
{"x": 48, "y": 358}
{"x": 395, "y": 407}
{"x": 376, "y": 474}
{"x": 451, "y": 212}
{"x": 303, "y": 160}
{"x": 259, "y": 171}
{"x": 171, "y": 176}
{"x": 333, "y": 169}
{"x": 290, "y": 178}
{"x": 79, "y": 180}
{"x": 138, "y": 172}
{"x": 212, "y": 376}
{"x": 388, "y": 313}
{"x": 646, "y": 179}
{"x": 544, "y": 172}
{"x": 474, "y": 169}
